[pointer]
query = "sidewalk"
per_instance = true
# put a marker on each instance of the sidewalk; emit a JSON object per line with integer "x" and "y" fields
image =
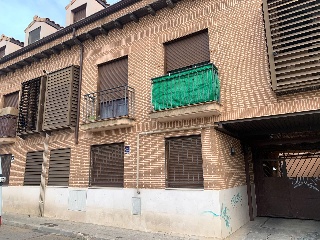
{"x": 78, "y": 230}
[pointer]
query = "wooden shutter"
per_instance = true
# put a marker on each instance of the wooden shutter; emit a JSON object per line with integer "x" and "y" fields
{"x": 107, "y": 165}
{"x": 31, "y": 106}
{"x": 184, "y": 162}
{"x": 292, "y": 33}
{"x": 32, "y": 175}
{"x": 11, "y": 100}
{"x": 5, "y": 165}
{"x": 113, "y": 74}
{"x": 187, "y": 51}
{"x": 59, "y": 167}
{"x": 79, "y": 13}
{"x": 34, "y": 35}
{"x": 2, "y": 51}
{"x": 61, "y": 100}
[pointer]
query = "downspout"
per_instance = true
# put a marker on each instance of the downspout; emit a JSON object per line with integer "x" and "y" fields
{"x": 157, "y": 132}
{"x": 44, "y": 175}
{"x": 78, "y": 42}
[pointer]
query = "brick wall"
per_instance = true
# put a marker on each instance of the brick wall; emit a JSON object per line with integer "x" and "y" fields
{"x": 237, "y": 48}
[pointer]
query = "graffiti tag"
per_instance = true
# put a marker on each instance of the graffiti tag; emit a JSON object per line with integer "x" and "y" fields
{"x": 236, "y": 199}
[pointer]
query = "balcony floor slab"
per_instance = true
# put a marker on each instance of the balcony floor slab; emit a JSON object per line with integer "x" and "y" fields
{"x": 107, "y": 124}
{"x": 187, "y": 112}
{"x": 7, "y": 140}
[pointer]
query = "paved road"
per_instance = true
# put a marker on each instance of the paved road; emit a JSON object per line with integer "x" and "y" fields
{"x": 19, "y": 233}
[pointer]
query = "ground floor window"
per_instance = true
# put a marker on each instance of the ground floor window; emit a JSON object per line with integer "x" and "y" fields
{"x": 59, "y": 167}
{"x": 32, "y": 175}
{"x": 107, "y": 165}
{"x": 5, "y": 165}
{"x": 184, "y": 162}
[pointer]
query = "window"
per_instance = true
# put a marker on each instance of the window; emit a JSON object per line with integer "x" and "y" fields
{"x": 107, "y": 165}
{"x": 113, "y": 82}
{"x": 2, "y": 51}
{"x": 31, "y": 105}
{"x": 32, "y": 175}
{"x": 61, "y": 99}
{"x": 184, "y": 162}
{"x": 34, "y": 35}
{"x": 59, "y": 167}
{"x": 11, "y": 100}
{"x": 79, "y": 13}
{"x": 187, "y": 51}
{"x": 5, "y": 165}
{"x": 292, "y": 34}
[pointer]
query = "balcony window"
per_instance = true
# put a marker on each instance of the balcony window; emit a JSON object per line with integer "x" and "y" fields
{"x": 79, "y": 13}
{"x": 185, "y": 88}
{"x": 11, "y": 100}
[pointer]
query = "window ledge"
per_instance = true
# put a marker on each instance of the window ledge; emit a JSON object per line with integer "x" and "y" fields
{"x": 9, "y": 111}
{"x": 107, "y": 124}
{"x": 7, "y": 140}
{"x": 187, "y": 112}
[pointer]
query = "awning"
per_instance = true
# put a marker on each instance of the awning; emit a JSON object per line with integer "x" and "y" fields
{"x": 259, "y": 128}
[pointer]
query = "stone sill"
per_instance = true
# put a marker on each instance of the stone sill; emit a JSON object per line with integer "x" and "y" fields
{"x": 7, "y": 140}
{"x": 107, "y": 124}
{"x": 187, "y": 112}
{"x": 9, "y": 111}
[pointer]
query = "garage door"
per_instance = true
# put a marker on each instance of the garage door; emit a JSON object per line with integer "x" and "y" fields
{"x": 288, "y": 184}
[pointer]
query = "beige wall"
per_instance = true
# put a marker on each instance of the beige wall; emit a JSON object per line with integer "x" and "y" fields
{"x": 237, "y": 48}
{"x": 10, "y": 47}
{"x": 92, "y": 7}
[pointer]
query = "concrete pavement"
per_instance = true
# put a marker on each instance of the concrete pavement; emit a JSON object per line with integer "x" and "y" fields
{"x": 261, "y": 228}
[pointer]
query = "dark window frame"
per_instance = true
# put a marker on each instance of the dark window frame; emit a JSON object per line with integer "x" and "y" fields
{"x": 10, "y": 96}
{"x": 175, "y": 180}
{"x": 59, "y": 163}
{"x": 33, "y": 170}
{"x": 6, "y": 171}
{"x": 97, "y": 182}
{"x": 77, "y": 11}
{"x": 34, "y": 31}
{"x": 2, "y": 51}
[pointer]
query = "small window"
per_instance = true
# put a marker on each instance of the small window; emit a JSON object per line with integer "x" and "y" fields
{"x": 5, "y": 165}
{"x": 2, "y": 51}
{"x": 59, "y": 167}
{"x": 113, "y": 96}
{"x": 107, "y": 165}
{"x": 32, "y": 175}
{"x": 34, "y": 35}
{"x": 188, "y": 51}
{"x": 11, "y": 100}
{"x": 184, "y": 162}
{"x": 79, "y": 13}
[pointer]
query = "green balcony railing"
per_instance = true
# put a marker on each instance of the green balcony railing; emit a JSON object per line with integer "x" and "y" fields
{"x": 187, "y": 87}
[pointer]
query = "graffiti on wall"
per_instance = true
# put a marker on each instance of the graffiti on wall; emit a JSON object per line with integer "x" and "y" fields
{"x": 224, "y": 215}
{"x": 305, "y": 181}
{"x": 236, "y": 199}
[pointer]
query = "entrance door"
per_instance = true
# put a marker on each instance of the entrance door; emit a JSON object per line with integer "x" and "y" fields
{"x": 288, "y": 184}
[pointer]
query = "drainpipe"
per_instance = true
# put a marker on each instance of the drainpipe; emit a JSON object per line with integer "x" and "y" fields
{"x": 44, "y": 175}
{"x": 157, "y": 132}
{"x": 1, "y": 182}
{"x": 78, "y": 42}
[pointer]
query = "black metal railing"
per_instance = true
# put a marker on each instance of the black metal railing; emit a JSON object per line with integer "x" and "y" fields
{"x": 8, "y": 125}
{"x": 110, "y": 103}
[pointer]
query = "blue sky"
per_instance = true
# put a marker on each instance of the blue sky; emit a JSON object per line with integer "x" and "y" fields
{"x": 15, "y": 15}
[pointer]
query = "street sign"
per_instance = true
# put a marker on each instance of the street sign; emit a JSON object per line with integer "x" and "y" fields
{"x": 127, "y": 149}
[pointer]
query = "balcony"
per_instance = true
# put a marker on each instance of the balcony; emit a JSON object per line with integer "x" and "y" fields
{"x": 108, "y": 109}
{"x": 8, "y": 125}
{"x": 186, "y": 94}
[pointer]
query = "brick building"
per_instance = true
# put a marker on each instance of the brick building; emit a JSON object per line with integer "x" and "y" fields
{"x": 165, "y": 115}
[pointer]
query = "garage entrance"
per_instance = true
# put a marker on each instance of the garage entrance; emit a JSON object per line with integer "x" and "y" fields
{"x": 288, "y": 183}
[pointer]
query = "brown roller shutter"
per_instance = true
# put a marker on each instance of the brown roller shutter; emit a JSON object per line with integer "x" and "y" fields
{"x": 32, "y": 175}
{"x": 5, "y": 165}
{"x": 61, "y": 100}
{"x": 184, "y": 162}
{"x": 59, "y": 167}
{"x": 292, "y": 34}
{"x": 79, "y": 13}
{"x": 11, "y": 100}
{"x": 113, "y": 74}
{"x": 107, "y": 165}
{"x": 187, "y": 51}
